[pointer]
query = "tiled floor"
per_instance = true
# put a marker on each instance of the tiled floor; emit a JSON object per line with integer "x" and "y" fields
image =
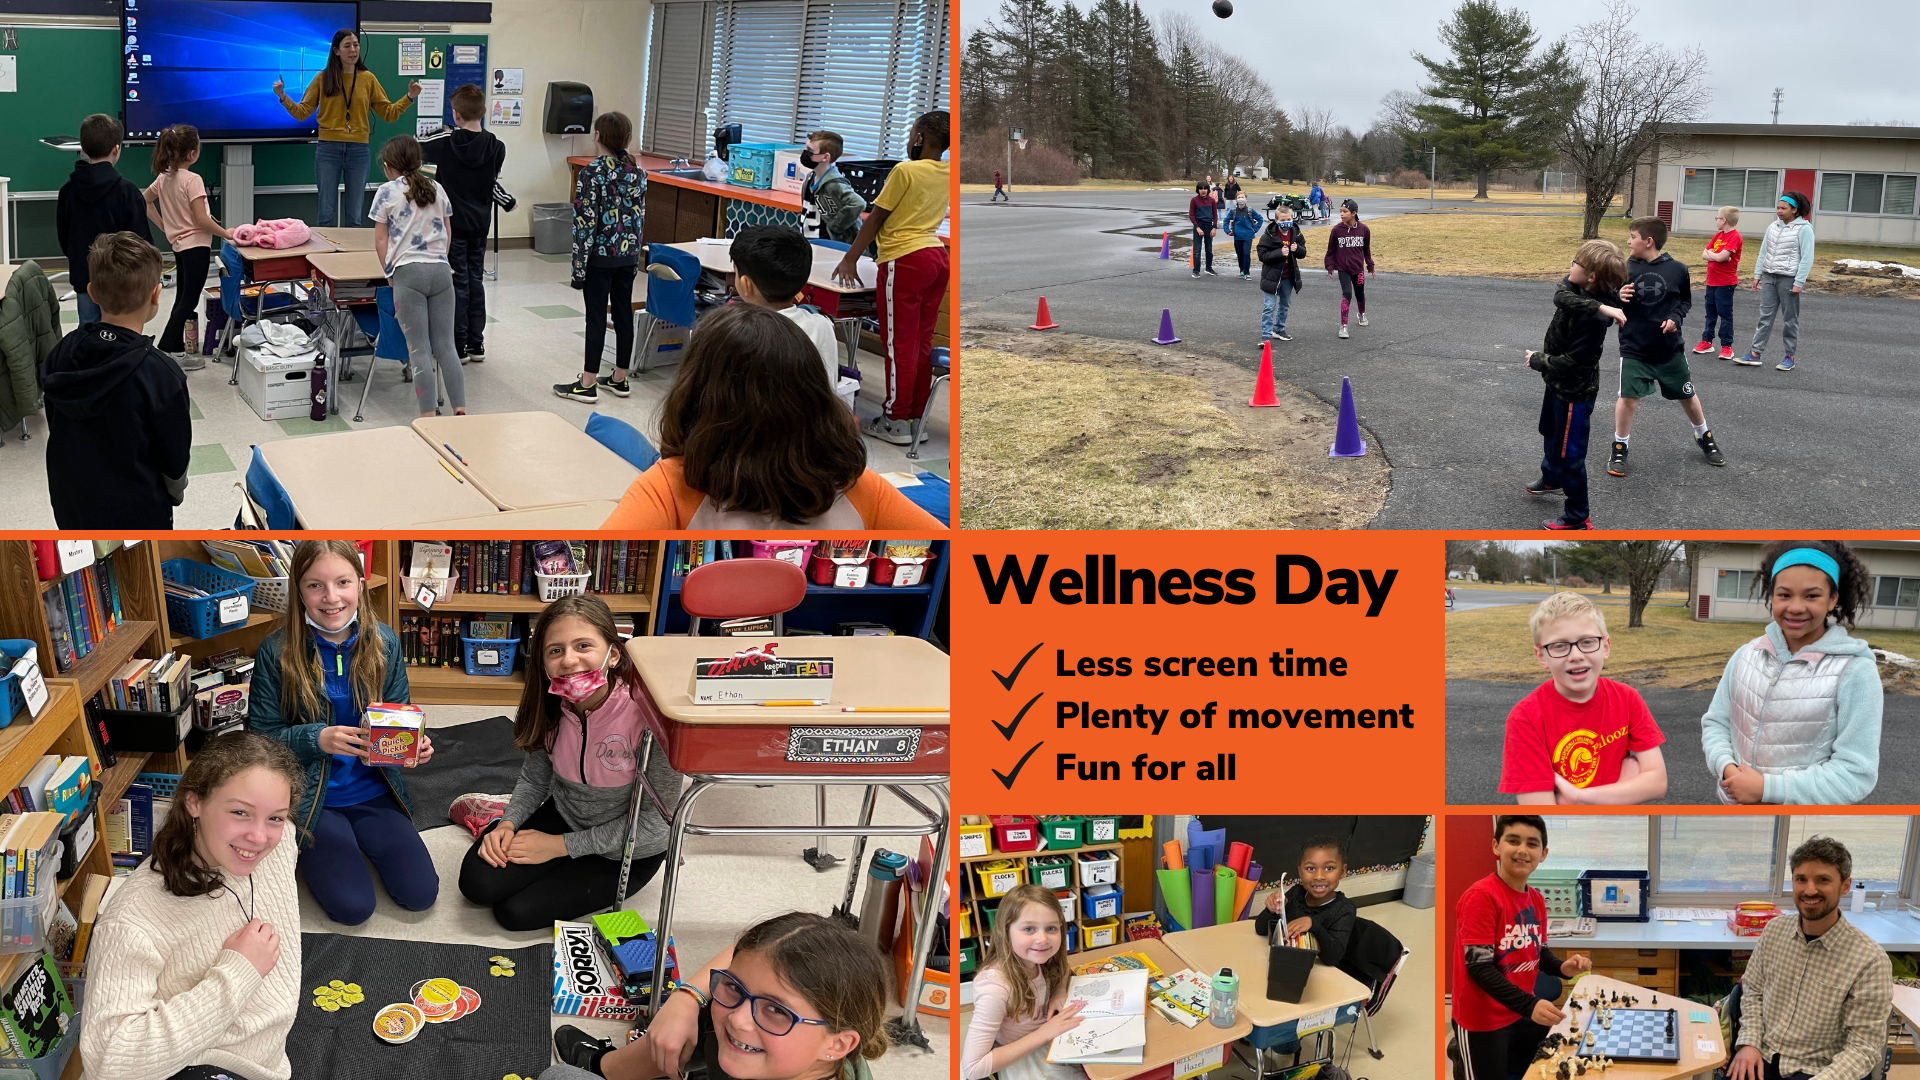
{"x": 533, "y": 342}
{"x": 1404, "y": 1029}
{"x": 726, "y": 884}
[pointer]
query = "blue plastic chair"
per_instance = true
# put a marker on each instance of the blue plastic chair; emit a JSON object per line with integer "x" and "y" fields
{"x": 266, "y": 489}
{"x": 669, "y": 301}
{"x": 942, "y": 372}
{"x": 622, "y": 438}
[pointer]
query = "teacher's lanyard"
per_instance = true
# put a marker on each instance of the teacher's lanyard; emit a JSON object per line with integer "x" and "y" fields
{"x": 351, "y": 87}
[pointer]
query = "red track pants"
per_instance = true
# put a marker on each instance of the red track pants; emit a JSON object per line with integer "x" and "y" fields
{"x": 908, "y": 293}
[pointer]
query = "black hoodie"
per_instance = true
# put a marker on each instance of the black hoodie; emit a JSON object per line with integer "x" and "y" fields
{"x": 96, "y": 199}
{"x": 1662, "y": 290}
{"x": 119, "y": 430}
{"x": 467, "y": 164}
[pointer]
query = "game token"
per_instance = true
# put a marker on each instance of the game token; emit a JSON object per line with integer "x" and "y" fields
{"x": 470, "y": 998}
{"x": 353, "y": 988}
{"x": 398, "y": 1023}
{"x": 436, "y": 997}
{"x": 337, "y": 984}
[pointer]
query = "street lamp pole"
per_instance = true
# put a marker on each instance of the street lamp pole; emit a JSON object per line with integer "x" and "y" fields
{"x": 1433, "y": 158}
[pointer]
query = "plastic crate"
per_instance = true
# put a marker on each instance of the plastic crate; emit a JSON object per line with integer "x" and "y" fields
{"x": 501, "y": 650}
{"x": 26, "y": 919}
{"x": 1066, "y": 901}
{"x": 969, "y": 957}
{"x": 225, "y": 607}
{"x": 751, "y": 164}
{"x": 997, "y": 878}
{"x": 1015, "y": 833}
{"x": 1103, "y": 829}
{"x": 963, "y": 917}
{"x": 1560, "y": 889}
{"x": 1073, "y": 937}
{"x": 1099, "y": 868}
{"x": 1063, "y": 832}
{"x": 269, "y": 593}
{"x": 1101, "y": 934}
{"x": 1101, "y": 901}
{"x": 163, "y": 783}
{"x": 867, "y": 177}
{"x": 796, "y": 552}
{"x": 554, "y": 586}
{"x": 989, "y": 909}
{"x": 975, "y": 840}
{"x": 1051, "y": 873}
{"x": 443, "y": 588}
{"x": 12, "y": 701}
{"x": 51, "y": 1066}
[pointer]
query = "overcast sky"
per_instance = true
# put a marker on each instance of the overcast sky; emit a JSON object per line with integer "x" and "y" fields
{"x": 1857, "y": 54}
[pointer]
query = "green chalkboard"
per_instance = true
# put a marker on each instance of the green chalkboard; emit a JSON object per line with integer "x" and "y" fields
{"x": 67, "y": 73}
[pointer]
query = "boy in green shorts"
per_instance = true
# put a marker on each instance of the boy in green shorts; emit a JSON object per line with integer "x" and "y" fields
{"x": 1657, "y": 296}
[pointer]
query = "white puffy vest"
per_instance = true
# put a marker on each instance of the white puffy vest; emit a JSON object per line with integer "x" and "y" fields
{"x": 1785, "y": 713}
{"x": 1783, "y": 247}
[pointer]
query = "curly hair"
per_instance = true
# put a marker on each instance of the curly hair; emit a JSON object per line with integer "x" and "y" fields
{"x": 1823, "y": 849}
{"x": 1853, "y": 590}
{"x": 219, "y": 761}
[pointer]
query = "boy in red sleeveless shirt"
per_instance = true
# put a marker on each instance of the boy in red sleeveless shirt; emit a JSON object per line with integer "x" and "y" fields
{"x": 1580, "y": 738}
{"x": 1498, "y": 1020}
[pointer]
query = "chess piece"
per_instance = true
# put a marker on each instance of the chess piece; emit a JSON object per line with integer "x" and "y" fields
{"x": 1563, "y": 1072}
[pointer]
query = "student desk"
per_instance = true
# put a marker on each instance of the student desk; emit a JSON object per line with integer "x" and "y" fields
{"x": 1696, "y": 1055}
{"x": 1906, "y": 1004}
{"x": 264, "y": 267}
{"x": 345, "y": 239}
{"x": 758, "y": 745}
{"x": 1332, "y": 996}
{"x": 381, "y": 478}
{"x": 347, "y": 264}
{"x": 1892, "y": 931}
{"x": 1167, "y": 1042}
{"x": 528, "y": 459}
{"x": 583, "y": 516}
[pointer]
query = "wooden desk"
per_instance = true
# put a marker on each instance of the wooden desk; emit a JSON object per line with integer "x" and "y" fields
{"x": 381, "y": 478}
{"x": 1167, "y": 1042}
{"x": 528, "y": 459}
{"x": 346, "y": 239}
{"x": 1692, "y": 1058}
{"x": 582, "y": 516}
{"x": 348, "y": 264}
{"x": 719, "y": 259}
{"x": 254, "y": 255}
{"x": 1235, "y": 945}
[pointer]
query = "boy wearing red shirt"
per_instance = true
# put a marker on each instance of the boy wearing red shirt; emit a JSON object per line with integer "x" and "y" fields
{"x": 1498, "y": 1020}
{"x": 1580, "y": 738}
{"x": 1723, "y": 273}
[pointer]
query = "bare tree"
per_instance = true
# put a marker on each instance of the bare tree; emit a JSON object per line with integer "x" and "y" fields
{"x": 1644, "y": 562}
{"x": 1634, "y": 91}
{"x": 1244, "y": 109}
{"x": 1313, "y": 134}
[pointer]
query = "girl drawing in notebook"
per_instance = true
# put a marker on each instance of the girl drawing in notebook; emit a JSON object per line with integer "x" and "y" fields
{"x": 1014, "y": 1016}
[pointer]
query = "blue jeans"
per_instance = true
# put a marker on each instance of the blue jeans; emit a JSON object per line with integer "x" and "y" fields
{"x": 1202, "y": 248}
{"x": 1273, "y": 311}
{"x": 346, "y": 838}
{"x": 89, "y": 311}
{"x": 1719, "y": 305}
{"x": 335, "y": 163}
{"x": 1564, "y": 426}
{"x": 1243, "y": 247}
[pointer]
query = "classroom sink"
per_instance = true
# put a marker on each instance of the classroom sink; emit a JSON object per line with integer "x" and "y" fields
{"x": 685, "y": 174}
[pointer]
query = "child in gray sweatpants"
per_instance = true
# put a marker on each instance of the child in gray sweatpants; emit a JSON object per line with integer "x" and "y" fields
{"x": 1779, "y": 272}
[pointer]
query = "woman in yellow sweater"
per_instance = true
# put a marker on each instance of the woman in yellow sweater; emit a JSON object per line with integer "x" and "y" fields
{"x": 344, "y": 93}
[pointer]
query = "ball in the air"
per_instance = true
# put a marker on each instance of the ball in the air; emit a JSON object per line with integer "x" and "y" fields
{"x": 1223, "y": 8}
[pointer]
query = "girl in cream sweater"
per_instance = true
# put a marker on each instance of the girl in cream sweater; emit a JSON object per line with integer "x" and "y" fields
{"x": 195, "y": 965}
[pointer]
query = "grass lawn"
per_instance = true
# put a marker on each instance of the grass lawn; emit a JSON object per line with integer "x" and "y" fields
{"x": 1619, "y": 592}
{"x": 1539, "y": 248}
{"x": 1671, "y": 650}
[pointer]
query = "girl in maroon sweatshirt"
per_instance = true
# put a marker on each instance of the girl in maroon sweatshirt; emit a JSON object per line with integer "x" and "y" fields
{"x": 1350, "y": 254}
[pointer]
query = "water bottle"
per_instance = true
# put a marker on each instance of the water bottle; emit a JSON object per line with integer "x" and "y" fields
{"x": 1225, "y": 1001}
{"x": 317, "y": 383}
{"x": 886, "y": 872}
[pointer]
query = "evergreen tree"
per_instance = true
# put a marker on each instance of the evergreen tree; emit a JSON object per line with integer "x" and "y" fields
{"x": 1494, "y": 103}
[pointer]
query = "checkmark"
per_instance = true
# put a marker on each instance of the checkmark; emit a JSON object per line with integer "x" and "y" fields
{"x": 1007, "y": 729}
{"x": 1007, "y": 779}
{"x": 1006, "y": 681}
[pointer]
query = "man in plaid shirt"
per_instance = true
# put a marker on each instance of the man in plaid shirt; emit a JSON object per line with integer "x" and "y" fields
{"x": 1818, "y": 990}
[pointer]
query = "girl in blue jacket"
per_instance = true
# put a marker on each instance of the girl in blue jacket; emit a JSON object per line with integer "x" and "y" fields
{"x": 313, "y": 678}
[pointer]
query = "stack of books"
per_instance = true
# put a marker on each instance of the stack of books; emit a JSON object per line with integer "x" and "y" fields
{"x": 160, "y": 686}
{"x": 55, "y": 784}
{"x": 81, "y": 609}
{"x": 254, "y": 558}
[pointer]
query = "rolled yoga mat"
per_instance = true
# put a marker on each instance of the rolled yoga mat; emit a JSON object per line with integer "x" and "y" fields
{"x": 1205, "y": 847}
{"x": 1238, "y": 856}
{"x": 1202, "y": 882}
{"x": 1224, "y": 890}
{"x": 1173, "y": 858}
{"x": 1243, "y": 895}
{"x": 1177, "y": 894}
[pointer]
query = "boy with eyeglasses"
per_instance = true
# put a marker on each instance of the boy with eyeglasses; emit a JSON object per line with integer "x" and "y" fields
{"x": 1580, "y": 738}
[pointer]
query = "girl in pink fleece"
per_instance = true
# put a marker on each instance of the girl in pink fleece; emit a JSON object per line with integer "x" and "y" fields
{"x": 1350, "y": 254}
{"x": 554, "y": 854}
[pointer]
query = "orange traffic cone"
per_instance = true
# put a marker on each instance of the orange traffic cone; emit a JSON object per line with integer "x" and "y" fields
{"x": 1263, "y": 383}
{"x": 1043, "y": 320}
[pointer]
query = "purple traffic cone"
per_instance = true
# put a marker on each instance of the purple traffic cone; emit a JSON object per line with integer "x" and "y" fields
{"x": 1346, "y": 435}
{"x": 1165, "y": 246}
{"x": 1166, "y": 328}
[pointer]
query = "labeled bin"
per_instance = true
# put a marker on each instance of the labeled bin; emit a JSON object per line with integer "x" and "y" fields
{"x": 490, "y": 656}
{"x": 226, "y": 605}
{"x": 1066, "y": 901}
{"x": 1103, "y": 933}
{"x": 1103, "y": 829}
{"x": 1099, "y": 868}
{"x": 1051, "y": 871}
{"x": 1064, "y": 832}
{"x": 1100, "y": 901}
{"x": 975, "y": 841}
{"x": 998, "y": 878}
{"x": 1015, "y": 833}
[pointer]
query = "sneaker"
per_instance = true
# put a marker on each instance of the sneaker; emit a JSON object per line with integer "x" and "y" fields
{"x": 1784, "y": 365}
{"x": 575, "y": 391}
{"x": 190, "y": 361}
{"x": 618, "y": 387}
{"x": 474, "y": 811}
{"x": 1617, "y": 464}
{"x": 1703, "y": 347}
{"x": 477, "y": 356}
{"x": 1711, "y": 449}
{"x": 897, "y": 432}
{"x": 1726, "y": 352}
{"x": 1343, "y": 329}
{"x": 1541, "y": 487}
{"x": 1282, "y": 335}
{"x": 1246, "y": 277}
{"x": 1196, "y": 275}
{"x": 1363, "y": 318}
{"x": 1209, "y": 272}
{"x": 1752, "y": 359}
{"x": 577, "y": 1048}
{"x": 1561, "y": 524}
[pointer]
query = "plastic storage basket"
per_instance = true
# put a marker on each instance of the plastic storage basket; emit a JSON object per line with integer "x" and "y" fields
{"x": 1063, "y": 833}
{"x": 25, "y": 920}
{"x": 226, "y": 605}
{"x": 1051, "y": 872}
{"x": 54, "y": 1063}
{"x": 1099, "y": 868}
{"x": 1560, "y": 889}
{"x": 1103, "y": 829}
{"x": 796, "y": 552}
{"x": 867, "y": 177}
{"x": 269, "y": 593}
{"x": 1103, "y": 933}
{"x": 554, "y": 586}
{"x": 1101, "y": 902}
{"x": 490, "y": 656}
{"x": 162, "y": 783}
{"x": 12, "y": 701}
{"x": 998, "y": 878}
{"x": 1015, "y": 832}
{"x": 975, "y": 840}
{"x": 751, "y": 164}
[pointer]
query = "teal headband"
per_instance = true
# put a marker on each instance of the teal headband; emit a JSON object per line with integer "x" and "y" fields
{"x": 1793, "y": 202}
{"x": 1813, "y": 557}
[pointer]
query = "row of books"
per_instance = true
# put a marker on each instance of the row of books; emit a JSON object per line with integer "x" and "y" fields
{"x": 82, "y": 608}
{"x": 54, "y": 784}
{"x": 267, "y": 558}
{"x": 434, "y": 640}
{"x": 27, "y": 868}
{"x": 130, "y": 826}
{"x": 163, "y": 686}
{"x": 506, "y": 567}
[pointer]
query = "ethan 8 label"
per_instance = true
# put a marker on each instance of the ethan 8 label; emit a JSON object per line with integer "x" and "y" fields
{"x": 853, "y": 744}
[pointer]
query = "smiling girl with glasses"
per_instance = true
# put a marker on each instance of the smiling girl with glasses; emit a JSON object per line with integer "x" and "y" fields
{"x": 798, "y": 997}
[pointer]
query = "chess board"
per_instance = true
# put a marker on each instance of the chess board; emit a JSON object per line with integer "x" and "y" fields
{"x": 1634, "y": 1035}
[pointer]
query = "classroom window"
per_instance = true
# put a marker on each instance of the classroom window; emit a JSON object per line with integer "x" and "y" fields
{"x": 1716, "y": 854}
{"x": 1896, "y": 592}
{"x": 1867, "y": 193}
{"x": 1876, "y": 842}
{"x": 1698, "y": 190}
{"x": 1836, "y": 191}
{"x": 1733, "y": 584}
{"x": 1899, "y": 199}
{"x": 679, "y": 113}
{"x": 1749, "y": 188}
{"x": 1596, "y": 843}
{"x": 1763, "y": 189}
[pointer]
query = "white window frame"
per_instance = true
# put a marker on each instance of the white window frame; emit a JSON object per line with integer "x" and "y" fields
{"x": 1852, "y": 187}
{"x": 1782, "y": 852}
{"x": 1779, "y": 180}
{"x": 1721, "y": 573}
{"x": 1896, "y": 605}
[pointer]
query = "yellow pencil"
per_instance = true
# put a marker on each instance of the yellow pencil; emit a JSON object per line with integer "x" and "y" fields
{"x": 881, "y": 708}
{"x": 450, "y": 471}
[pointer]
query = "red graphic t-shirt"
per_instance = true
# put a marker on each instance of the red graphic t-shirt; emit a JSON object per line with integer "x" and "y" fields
{"x": 1584, "y": 742}
{"x": 1724, "y": 273}
{"x": 1511, "y": 922}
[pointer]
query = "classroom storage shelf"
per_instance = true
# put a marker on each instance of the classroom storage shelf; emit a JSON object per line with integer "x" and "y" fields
{"x": 909, "y": 610}
{"x": 980, "y": 907}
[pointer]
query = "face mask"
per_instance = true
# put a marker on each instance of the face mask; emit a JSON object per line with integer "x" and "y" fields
{"x": 914, "y": 151}
{"x": 318, "y": 629}
{"x": 807, "y": 160}
{"x": 580, "y": 685}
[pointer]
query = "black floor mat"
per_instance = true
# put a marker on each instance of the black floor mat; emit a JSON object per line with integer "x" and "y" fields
{"x": 479, "y": 756}
{"x": 509, "y": 1032}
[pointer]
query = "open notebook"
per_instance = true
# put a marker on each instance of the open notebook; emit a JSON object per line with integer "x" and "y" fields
{"x": 1113, "y": 1026}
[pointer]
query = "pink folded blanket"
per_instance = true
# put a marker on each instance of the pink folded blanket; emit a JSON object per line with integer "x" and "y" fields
{"x": 276, "y": 233}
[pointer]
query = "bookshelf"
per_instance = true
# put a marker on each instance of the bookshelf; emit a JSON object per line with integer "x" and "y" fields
{"x": 972, "y": 889}
{"x": 247, "y": 636}
{"x": 452, "y": 685}
{"x": 909, "y": 610}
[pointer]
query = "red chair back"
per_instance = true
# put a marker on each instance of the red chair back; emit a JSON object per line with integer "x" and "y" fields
{"x": 743, "y": 589}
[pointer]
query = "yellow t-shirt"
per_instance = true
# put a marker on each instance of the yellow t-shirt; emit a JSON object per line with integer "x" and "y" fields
{"x": 344, "y": 120}
{"x": 915, "y": 198}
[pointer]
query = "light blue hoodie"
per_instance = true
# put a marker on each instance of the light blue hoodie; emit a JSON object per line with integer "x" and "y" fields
{"x": 1850, "y": 773}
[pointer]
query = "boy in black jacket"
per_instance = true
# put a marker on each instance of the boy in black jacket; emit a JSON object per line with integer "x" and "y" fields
{"x": 1315, "y": 903}
{"x": 119, "y": 429}
{"x": 1658, "y": 295}
{"x": 467, "y": 161}
{"x": 1569, "y": 359}
{"x": 1279, "y": 251}
{"x": 96, "y": 199}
